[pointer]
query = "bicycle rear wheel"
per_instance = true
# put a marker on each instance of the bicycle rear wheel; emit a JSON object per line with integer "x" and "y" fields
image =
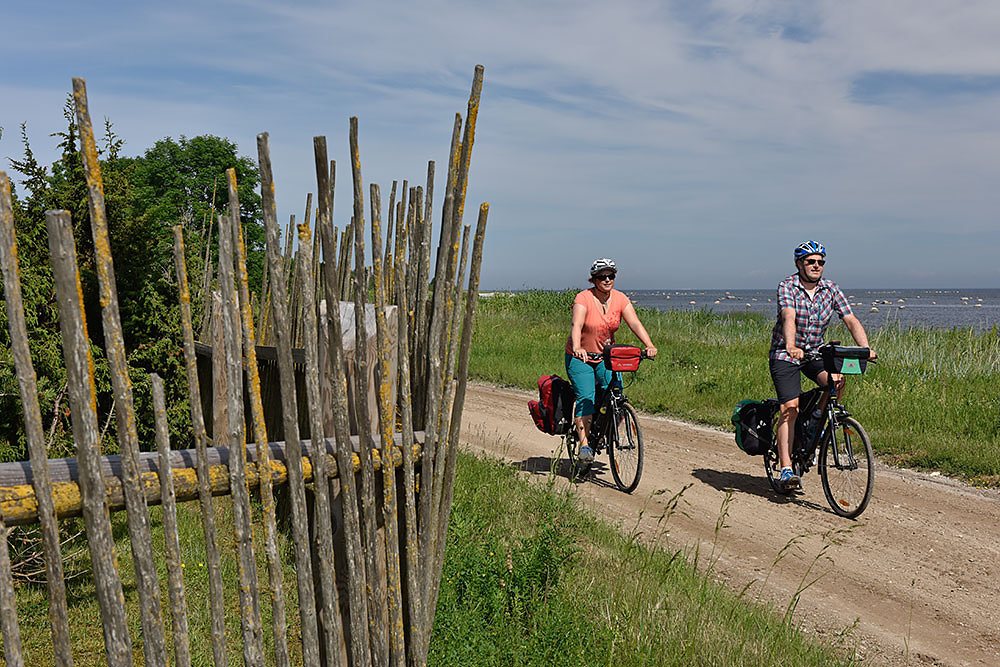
{"x": 576, "y": 470}
{"x": 625, "y": 450}
{"x": 771, "y": 464}
{"x": 847, "y": 468}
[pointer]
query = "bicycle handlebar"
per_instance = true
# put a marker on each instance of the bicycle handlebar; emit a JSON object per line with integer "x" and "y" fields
{"x": 597, "y": 356}
{"x": 834, "y": 349}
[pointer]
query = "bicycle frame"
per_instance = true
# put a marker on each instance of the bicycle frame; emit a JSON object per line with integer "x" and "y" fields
{"x": 607, "y": 413}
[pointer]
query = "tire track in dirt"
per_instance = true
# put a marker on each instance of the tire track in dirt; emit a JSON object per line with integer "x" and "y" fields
{"x": 917, "y": 577}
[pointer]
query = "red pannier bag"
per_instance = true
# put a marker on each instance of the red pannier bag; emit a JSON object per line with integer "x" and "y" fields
{"x": 553, "y": 411}
{"x": 622, "y": 358}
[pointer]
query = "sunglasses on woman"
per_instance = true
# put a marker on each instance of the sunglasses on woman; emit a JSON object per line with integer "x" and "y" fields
{"x": 605, "y": 276}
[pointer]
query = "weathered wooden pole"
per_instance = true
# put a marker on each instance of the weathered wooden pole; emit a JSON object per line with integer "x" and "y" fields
{"x": 333, "y": 633}
{"x": 213, "y": 561}
{"x": 242, "y": 519}
{"x": 147, "y": 584}
{"x": 456, "y": 416}
{"x": 83, "y": 402}
{"x": 171, "y": 543}
{"x": 386, "y": 421}
{"x": 377, "y": 635}
{"x": 286, "y": 372}
{"x": 27, "y": 383}
{"x": 415, "y": 611}
{"x": 278, "y": 620}
{"x": 8, "y": 606}
{"x": 354, "y": 550}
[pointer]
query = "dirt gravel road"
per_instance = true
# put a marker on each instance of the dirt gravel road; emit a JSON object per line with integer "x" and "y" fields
{"x": 917, "y": 576}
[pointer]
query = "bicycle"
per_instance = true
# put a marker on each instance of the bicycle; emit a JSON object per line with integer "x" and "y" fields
{"x": 615, "y": 425}
{"x": 845, "y": 459}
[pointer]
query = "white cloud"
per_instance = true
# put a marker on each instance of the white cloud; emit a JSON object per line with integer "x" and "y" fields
{"x": 664, "y": 130}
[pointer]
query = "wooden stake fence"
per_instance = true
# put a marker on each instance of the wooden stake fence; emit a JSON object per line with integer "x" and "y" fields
{"x": 367, "y": 511}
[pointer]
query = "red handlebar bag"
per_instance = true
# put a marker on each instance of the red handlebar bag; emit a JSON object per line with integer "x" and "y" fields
{"x": 622, "y": 358}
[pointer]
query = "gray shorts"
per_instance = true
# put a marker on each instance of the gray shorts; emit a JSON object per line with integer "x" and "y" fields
{"x": 787, "y": 377}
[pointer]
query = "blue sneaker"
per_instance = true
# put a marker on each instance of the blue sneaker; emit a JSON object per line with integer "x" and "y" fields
{"x": 789, "y": 481}
{"x": 586, "y": 455}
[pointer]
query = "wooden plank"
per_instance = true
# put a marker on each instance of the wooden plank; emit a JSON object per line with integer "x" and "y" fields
{"x": 201, "y": 464}
{"x": 171, "y": 542}
{"x": 147, "y": 583}
{"x": 28, "y": 388}
{"x": 83, "y": 401}
{"x": 279, "y": 312}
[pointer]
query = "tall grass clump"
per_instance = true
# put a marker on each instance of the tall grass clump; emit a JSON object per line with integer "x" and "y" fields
{"x": 533, "y": 578}
{"x": 932, "y": 402}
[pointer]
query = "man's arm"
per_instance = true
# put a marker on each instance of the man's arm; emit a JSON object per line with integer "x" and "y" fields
{"x": 857, "y": 330}
{"x": 788, "y": 331}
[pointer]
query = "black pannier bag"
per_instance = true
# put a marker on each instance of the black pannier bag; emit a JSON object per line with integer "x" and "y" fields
{"x": 754, "y": 430}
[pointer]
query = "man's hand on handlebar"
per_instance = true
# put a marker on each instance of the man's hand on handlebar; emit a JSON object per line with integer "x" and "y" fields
{"x": 795, "y": 352}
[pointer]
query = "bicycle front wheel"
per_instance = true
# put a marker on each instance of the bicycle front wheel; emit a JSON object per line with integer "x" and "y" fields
{"x": 625, "y": 451}
{"x": 847, "y": 468}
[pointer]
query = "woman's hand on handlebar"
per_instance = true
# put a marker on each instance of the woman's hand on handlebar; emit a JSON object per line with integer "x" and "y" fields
{"x": 650, "y": 351}
{"x": 580, "y": 353}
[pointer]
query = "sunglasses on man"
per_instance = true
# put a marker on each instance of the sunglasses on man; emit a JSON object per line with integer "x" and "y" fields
{"x": 810, "y": 262}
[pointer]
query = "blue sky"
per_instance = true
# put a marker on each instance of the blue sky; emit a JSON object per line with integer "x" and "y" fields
{"x": 695, "y": 142}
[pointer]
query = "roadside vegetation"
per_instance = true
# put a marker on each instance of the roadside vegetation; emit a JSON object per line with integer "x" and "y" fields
{"x": 531, "y": 577}
{"x": 931, "y": 402}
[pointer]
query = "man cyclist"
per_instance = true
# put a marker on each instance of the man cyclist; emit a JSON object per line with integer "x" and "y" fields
{"x": 806, "y": 303}
{"x": 597, "y": 315}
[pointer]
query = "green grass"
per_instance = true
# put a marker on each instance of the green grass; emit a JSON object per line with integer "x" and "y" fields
{"x": 533, "y": 578}
{"x": 530, "y": 577}
{"x": 84, "y": 615}
{"x": 931, "y": 403}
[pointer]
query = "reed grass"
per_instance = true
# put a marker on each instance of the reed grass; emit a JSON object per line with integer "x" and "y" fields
{"x": 931, "y": 403}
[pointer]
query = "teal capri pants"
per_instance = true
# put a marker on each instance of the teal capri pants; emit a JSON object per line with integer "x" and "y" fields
{"x": 582, "y": 376}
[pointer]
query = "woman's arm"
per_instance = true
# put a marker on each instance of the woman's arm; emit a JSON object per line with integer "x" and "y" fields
{"x": 632, "y": 320}
{"x": 576, "y": 331}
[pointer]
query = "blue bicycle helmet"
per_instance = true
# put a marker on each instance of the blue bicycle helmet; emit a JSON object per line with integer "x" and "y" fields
{"x": 809, "y": 248}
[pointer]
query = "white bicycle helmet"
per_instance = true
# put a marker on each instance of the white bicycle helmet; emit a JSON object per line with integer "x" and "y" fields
{"x": 603, "y": 264}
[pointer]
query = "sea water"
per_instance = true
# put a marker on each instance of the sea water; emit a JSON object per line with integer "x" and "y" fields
{"x": 876, "y": 308}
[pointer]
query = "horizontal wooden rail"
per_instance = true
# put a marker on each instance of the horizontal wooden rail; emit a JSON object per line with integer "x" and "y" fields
{"x": 18, "y": 504}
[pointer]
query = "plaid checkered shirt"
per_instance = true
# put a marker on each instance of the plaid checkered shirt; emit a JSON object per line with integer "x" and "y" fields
{"x": 812, "y": 315}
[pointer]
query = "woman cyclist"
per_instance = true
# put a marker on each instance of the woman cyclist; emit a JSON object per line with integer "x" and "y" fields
{"x": 597, "y": 314}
